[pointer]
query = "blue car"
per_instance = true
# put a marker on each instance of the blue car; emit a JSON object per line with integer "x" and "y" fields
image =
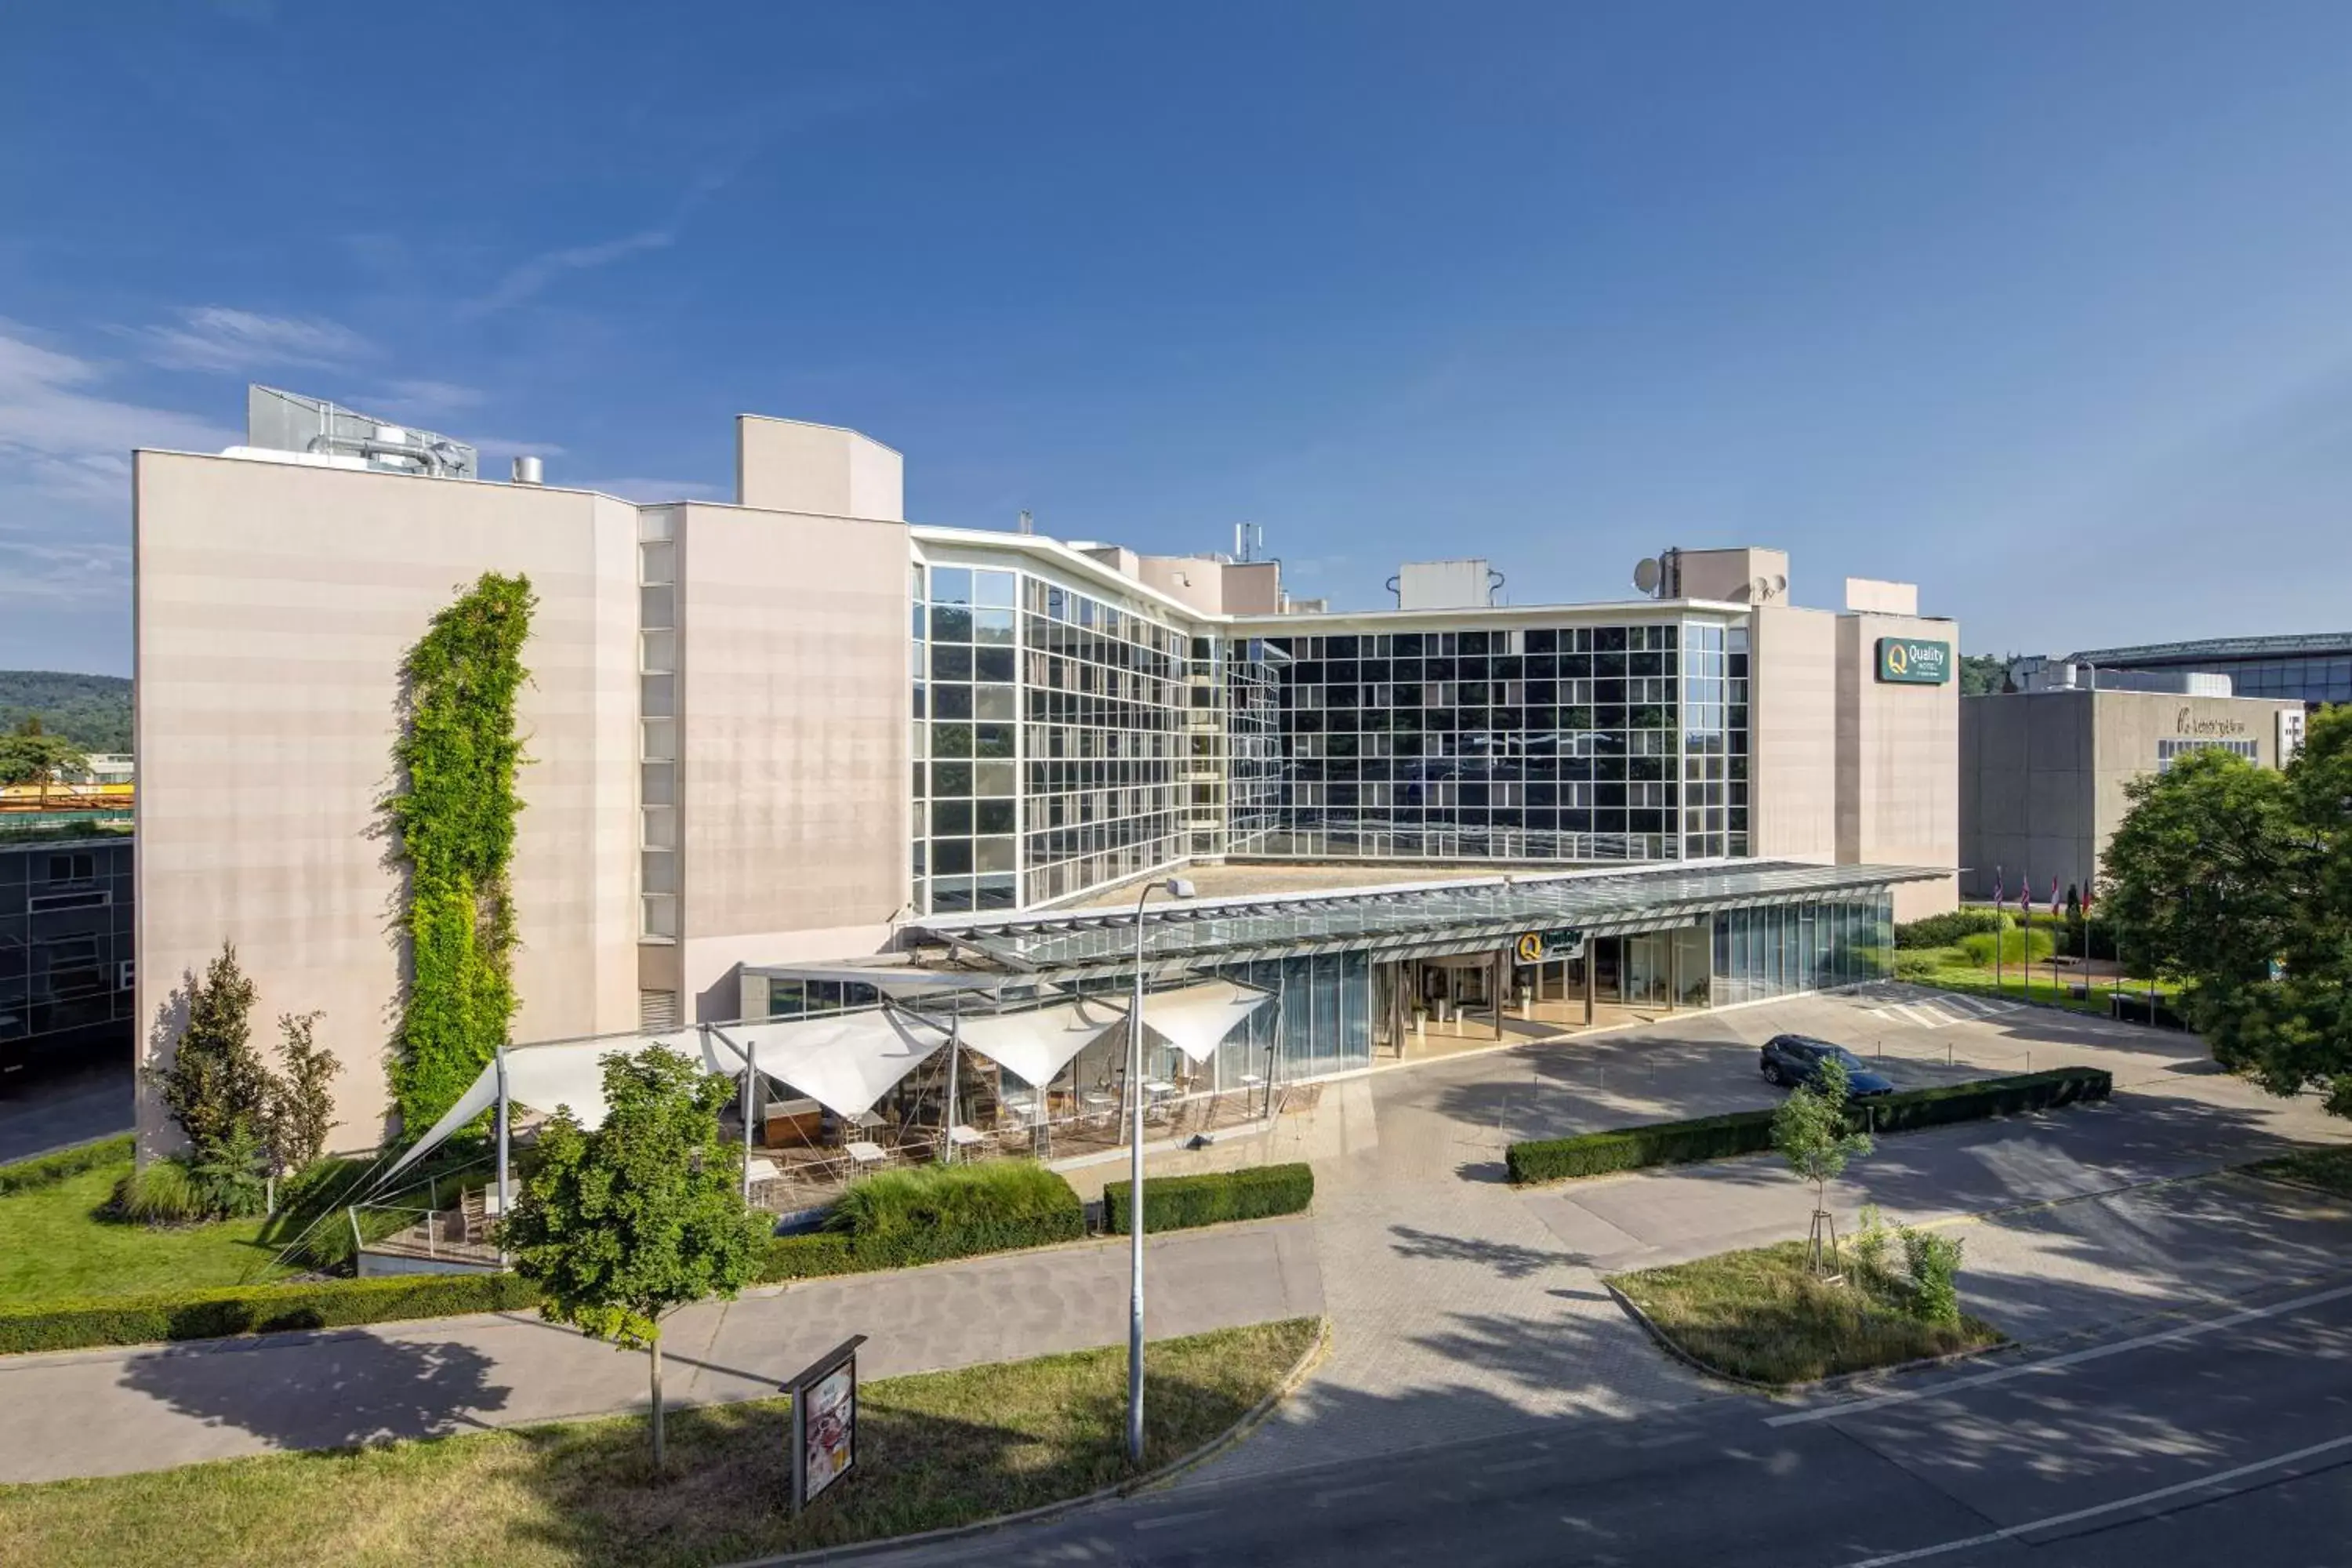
{"x": 1798, "y": 1058}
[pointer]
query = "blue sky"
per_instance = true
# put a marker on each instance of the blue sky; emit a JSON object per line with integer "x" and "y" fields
{"x": 2042, "y": 306}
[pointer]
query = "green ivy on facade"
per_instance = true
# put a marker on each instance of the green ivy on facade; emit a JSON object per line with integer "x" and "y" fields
{"x": 455, "y": 814}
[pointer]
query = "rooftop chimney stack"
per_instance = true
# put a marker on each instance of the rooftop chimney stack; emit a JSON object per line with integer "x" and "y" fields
{"x": 530, "y": 471}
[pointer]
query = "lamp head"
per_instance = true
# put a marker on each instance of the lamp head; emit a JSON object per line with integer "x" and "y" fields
{"x": 1181, "y": 888}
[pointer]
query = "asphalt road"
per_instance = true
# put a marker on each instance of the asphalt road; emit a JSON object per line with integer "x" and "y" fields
{"x": 44, "y": 1108}
{"x": 2222, "y": 1444}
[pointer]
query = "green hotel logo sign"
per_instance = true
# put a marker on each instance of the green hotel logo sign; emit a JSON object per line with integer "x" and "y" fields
{"x": 1907, "y": 661}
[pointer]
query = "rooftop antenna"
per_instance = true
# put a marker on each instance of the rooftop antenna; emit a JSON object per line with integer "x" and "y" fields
{"x": 1248, "y": 538}
{"x": 1028, "y": 524}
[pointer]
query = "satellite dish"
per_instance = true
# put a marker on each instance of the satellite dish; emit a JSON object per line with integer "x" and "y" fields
{"x": 1647, "y": 574}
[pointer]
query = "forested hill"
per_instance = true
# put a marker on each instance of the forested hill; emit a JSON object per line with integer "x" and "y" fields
{"x": 92, "y": 710}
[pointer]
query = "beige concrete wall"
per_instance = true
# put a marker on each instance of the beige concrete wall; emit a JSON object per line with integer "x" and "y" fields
{"x": 1253, "y": 588}
{"x": 1728, "y": 576}
{"x": 1898, "y": 762}
{"x": 1793, "y": 734}
{"x": 273, "y": 606}
{"x": 794, "y": 747}
{"x": 786, "y": 465}
{"x": 1197, "y": 582}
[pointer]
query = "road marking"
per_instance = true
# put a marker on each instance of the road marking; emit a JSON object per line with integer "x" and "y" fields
{"x": 2080, "y": 1514}
{"x": 2073, "y": 1358}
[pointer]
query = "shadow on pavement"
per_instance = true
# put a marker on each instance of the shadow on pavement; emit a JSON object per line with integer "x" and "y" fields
{"x": 342, "y": 1389}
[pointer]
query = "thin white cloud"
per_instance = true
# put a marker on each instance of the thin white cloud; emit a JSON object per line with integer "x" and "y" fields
{"x": 53, "y": 429}
{"x": 646, "y": 492}
{"x": 527, "y": 280}
{"x": 217, "y": 338}
{"x": 423, "y": 399}
{"x": 498, "y": 447}
{"x": 59, "y": 571}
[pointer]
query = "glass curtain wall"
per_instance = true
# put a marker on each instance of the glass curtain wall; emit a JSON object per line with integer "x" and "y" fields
{"x": 1780, "y": 949}
{"x": 1714, "y": 740}
{"x": 1106, "y": 699}
{"x": 1538, "y": 743}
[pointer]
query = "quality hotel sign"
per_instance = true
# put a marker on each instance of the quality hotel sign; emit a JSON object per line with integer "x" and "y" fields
{"x": 1907, "y": 661}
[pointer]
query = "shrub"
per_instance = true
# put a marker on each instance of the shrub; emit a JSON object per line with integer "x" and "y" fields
{"x": 932, "y": 1213}
{"x": 2016, "y": 947}
{"x": 810, "y": 1257}
{"x": 49, "y": 1170}
{"x": 227, "y": 1176}
{"x": 1178, "y": 1202}
{"x": 1871, "y": 1238}
{"x": 1750, "y": 1131}
{"x": 254, "y": 1310}
{"x": 1947, "y": 930}
{"x": 162, "y": 1192}
{"x": 1934, "y": 1260}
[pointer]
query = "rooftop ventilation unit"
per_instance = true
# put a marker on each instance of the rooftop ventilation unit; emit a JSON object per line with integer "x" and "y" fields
{"x": 278, "y": 421}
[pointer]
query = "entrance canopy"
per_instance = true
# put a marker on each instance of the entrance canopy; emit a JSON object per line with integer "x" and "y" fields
{"x": 1414, "y": 917}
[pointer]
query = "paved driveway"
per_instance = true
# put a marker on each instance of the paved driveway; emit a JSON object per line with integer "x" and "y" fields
{"x": 1479, "y": 1307}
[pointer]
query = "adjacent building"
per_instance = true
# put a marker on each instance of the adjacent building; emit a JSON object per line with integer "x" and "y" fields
{"x": 775, "y": 741}
{"x": 2312, "y": 668}
{"x": 2043, "y": 772}
{"x": 66, "y": 966}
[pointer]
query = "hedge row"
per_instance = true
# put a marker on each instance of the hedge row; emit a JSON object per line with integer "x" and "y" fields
{"x": 255, "y": 1309}
{"x": 1750, "y": 1131}
{"x": 1180, "y": 1203}
{"x": 889, "y": 1221}
{"x": 931, "y": 1214}
{"x": 49, "y": 1170}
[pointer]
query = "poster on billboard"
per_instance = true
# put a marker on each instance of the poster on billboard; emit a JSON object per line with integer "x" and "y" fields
{"x": 824, "y": 1421}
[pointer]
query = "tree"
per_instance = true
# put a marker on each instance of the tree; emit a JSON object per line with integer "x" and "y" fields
{"x": 29, "y": 754}
{"x": 2204, "y": 873}
{"x": 621, "y": 1225}
{"x": 217, "y": 1084}
{"x": 301, "y": 1097}
{"x": 2237, "y": 881}
{"x": 1810, "y": 1132}
{"x": 1981, "y": 674}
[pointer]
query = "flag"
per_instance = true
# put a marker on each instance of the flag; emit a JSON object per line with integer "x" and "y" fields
{"x": 1996, "y": 895}
{"x": 2053, "y": 895}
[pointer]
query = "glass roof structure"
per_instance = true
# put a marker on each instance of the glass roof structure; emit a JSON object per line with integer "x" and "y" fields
{"x": 1425, "y": 918}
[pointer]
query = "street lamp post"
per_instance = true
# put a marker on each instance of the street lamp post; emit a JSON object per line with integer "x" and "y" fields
{"x": 1176, "y": 888}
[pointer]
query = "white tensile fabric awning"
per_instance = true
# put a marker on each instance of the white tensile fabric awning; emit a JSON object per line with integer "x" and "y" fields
{"x": 1196, "y": 1019}
{"x": 569, "y": 1073}
{"x": 1039, "y": 1043}
{"x": 845, "y": 1062}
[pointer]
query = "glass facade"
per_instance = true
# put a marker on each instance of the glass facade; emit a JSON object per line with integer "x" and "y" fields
{"x": 1064, "y": 741}
{"x": 1775, "y": 950}
{"x": 66, "y": 956}
{"x": 1571, "y": 743}
{"x": 1050, "y": 742}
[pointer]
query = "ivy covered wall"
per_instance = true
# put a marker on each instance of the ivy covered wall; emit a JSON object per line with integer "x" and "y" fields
{"x": 454, "y": 813}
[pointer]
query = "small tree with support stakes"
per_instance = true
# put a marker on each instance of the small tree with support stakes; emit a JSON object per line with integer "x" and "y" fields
{"x": 1809, "y": 1130}
{"x": 621, "y": 1225}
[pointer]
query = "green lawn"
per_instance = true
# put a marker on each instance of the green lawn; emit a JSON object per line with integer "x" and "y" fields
{"x": 57, "y": 1245}
{"x": 936, "y": 1450}
{"x": 1950, "y": 969}
{"x": 1761, "y": 1315}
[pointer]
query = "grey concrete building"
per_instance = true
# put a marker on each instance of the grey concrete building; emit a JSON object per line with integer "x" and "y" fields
{"x": 2043, "y": 773}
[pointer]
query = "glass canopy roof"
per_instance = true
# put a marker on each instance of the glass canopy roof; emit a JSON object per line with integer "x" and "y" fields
{"x": 1225, "y": 930}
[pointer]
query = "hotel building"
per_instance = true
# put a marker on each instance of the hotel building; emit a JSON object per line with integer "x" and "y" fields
{"x": 776, "y": 742}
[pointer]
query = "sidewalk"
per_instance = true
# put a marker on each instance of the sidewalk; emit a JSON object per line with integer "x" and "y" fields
{"x": 88, "y": 1413}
